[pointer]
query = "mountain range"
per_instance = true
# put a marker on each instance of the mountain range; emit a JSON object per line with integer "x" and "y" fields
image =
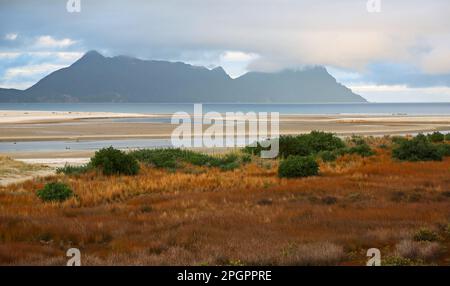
{"x": 96, "y": 78}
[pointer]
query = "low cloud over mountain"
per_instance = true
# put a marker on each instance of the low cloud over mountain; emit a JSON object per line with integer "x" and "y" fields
{"x": 95, "y": 78}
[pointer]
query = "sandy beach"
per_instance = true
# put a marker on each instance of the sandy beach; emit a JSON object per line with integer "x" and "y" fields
{"x": 22, "y": 116}
{"x": 16, "y": 126}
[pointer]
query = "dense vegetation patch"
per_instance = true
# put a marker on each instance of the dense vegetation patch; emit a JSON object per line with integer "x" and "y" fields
{"x": 326, "y": 146}
{"x": 425, "y": 234}
{"x": 55, "y": 192}
{"x": 175, "y": 158}
{"x": 436, "y": 137}
{"x": 74, "y": 170}
{"x": 444, "y": 149}
{"x": 298, "y": 166}
{"x": 114, "y": 162}
{"x": 363, "y": 150}
{"x": 417, "y": 149}
{"x": 303, "y": 145}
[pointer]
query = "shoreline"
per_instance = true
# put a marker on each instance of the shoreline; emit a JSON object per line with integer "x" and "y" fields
{"x": 37, "y": 116}
{"x": 85, "y": 127}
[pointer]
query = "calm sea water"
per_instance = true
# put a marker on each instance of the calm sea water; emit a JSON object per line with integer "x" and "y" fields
{"x": 158, "y": 108}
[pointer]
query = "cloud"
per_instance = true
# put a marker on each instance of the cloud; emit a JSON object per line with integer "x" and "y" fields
{"x": 282, "y": 32}
{"x": 237, "y": 56}
{"x": 30, "y": 70}
{"x": 9, "y": 55}
{"x": 407, "y": 44}
{"x": 50, "y": 42}
{"x": 11, "y": 36}
{"x": 402, "y": 93}
{"x": 23, "y": 69}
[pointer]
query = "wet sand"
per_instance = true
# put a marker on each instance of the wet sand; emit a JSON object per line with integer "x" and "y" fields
{"x": 18, "y": 126}
{"x": 96, "y": 128}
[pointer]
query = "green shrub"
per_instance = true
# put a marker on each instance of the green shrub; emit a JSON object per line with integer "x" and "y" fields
{"x": 146, "y": 209}
{"x": 329, "y": 200}
{"x": 229, "y": 166}
{"x": 328, "y": 156}
{"x": 296, "y": 166}
{"x": 383, "y": 146}
{"x": 246, "y": 158}
{"x": 160, "y": 158}
{"x": 174, "y": 158}
{"x": 447, "y": 137}
{"x": 228, "y": 158}
{"x": 55, "y": 192}
{"x": 114, "y": 162}
{"x": 436, "y": 137}
{"x": 426, "y": 235}
{"x": 322, "y": 141}
{"x": 444, "y": 149}
{"x": 303, "y": 145}
{"x": 74, "y": 170}
{"x": 398, "y": 139}
{"x": 357, "y": 140}
{"x": 363, "y": 150}
{"x": 398, "y": 261}
{"x": 417, "y": 149}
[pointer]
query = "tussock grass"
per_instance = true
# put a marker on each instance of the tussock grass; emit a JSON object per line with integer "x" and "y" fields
{"x": 210, "y": 216}
{"x": 9, "y": 166}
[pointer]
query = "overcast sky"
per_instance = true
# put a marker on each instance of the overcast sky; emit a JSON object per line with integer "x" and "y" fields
{"x": 399, "y": 54}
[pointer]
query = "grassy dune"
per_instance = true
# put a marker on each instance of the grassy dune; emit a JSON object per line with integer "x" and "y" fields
{"x": 247, "y": 216}
{"x": 14, "y": 171}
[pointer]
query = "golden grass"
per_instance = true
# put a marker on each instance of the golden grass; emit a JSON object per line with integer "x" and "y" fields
{"x": 247, "y": 216}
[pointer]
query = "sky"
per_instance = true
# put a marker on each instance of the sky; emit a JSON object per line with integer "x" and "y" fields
{"x": 398, "y": 53}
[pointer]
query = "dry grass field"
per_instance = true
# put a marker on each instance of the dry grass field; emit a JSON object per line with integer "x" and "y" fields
{"x": 248, "y": 216}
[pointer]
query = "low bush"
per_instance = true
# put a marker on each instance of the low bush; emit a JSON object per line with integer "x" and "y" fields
{"x": 114, "y": 162}
{"x": 398, "y": 261}
{"x": 246, "y": 158}
{"x": 229, "y": 166}
{"x": 328, "y": 156}
{"x": 74, "y": 170}
{"x": 296, "y": 166}
{"x": 363, "y": 150}
{"x": 444, "y": 149}
{"x": 303, "y": 145}
{"x": 175, "y": 158}
{"x": 398, "y": 139}
{"x": 426, "y": 235}
{"x": 55, "y": 192}
{"x": 329, "y": 200}
{"x": 357, "y": 140}
{"x": 417, "y": 149}
{"x": 436, "y": 137}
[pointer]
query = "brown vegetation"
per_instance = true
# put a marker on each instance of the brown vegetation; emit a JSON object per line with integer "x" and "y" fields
{"x": 248, "y": 216}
